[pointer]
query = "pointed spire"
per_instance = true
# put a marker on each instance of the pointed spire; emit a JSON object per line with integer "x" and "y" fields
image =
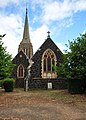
{"x": 26, "y": 36}
{"x": 25, "y": 44}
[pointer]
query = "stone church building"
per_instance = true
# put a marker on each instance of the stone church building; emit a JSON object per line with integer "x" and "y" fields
{"x": 36, "y": 70}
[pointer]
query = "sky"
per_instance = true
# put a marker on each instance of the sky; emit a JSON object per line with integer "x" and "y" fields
{"x": 65, "y": 19}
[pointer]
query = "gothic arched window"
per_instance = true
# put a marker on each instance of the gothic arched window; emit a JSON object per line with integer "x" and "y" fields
{"x": 45, "y": 64}
{"x": 20, "y": 71}
{"x": 48, "y": 60}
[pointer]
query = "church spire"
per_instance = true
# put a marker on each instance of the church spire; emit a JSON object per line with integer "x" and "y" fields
{"x": 26, "y": 35}
{"x": 26, "y": 45}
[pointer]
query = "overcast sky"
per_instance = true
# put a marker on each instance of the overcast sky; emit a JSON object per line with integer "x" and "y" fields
{"x": 65, "y": 19}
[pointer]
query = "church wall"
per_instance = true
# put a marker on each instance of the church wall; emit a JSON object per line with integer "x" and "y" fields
{"x": 19, "y": 82}
{"x": 43, "y": 83}
{"x": 37, "y": 58}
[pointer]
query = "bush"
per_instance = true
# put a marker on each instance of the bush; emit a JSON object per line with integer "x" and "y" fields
{"x": 84, "y": 85}
{"x": 8, "y": 84}
{"x": 75, "y": 86}
{"x": 1, "y": 83}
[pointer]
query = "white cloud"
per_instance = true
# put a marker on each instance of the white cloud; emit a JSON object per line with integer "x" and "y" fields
{"x": 12, "y": 44}
{"x": 80, "y": 5}
{"x": 52, "y": 10}
{"x": 62, "y": 47}
{"x": 38, "y": 37}
{"x": 56, "y": 11}
{"x": 4, "y": 3}
{"x": 11, "y": 26}
{"x": 60, "y": 10}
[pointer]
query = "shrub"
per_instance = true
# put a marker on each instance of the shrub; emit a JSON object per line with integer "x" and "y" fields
{"x": 84, "y": 85}
{"x": 8, "y": 84}
{"x": 1, "y": 83}
{"x": 75, "y": 86}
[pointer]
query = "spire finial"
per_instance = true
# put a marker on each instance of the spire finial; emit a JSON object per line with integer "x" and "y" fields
{"x": 26, "y": 10}
{"x": 48, "y": 34}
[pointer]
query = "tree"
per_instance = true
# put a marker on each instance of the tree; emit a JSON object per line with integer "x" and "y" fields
{"x": 76, "y": 58}
{"x": 74, "y": 65}
{"x": 6, "y": 65}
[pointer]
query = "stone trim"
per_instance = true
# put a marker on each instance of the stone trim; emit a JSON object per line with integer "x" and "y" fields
{"x": 48, "y": 73}
{"x": 23, "y": 71}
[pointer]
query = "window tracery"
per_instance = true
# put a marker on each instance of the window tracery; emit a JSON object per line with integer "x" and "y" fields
{"x": 48, "y": 60}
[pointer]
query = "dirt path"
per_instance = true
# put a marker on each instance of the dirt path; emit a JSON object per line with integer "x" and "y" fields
{"x": 31, "y": 106}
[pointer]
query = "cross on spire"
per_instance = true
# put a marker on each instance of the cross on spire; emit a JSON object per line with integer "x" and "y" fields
{"x": 48, "y": 34}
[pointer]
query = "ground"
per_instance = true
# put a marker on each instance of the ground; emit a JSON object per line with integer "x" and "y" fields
{"x": 42, "y": 105}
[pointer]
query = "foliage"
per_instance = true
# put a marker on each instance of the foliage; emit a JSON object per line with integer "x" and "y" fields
{"x": 6, "y": 65}
{"x": 8, "y": 84}
{"x": 74, "y": 65}
{"x": 75, "y": 86}
{"x": 1, "y": 83}
{"x": 77, "y": 58}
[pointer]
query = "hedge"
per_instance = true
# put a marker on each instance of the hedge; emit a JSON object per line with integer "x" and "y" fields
{"x": 75, "y": 86}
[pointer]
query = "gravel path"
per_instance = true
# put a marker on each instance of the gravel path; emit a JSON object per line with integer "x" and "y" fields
{"x": 28, "y": 106}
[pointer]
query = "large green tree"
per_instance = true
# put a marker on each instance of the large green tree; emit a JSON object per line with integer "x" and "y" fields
{"x": 6, "y": 65}
{"x": 74, "y": 65}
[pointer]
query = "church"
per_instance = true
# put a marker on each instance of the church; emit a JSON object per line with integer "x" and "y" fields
{"x": 37, "y": 69}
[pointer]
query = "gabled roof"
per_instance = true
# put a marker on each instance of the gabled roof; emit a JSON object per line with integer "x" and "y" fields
{"x": 20, "y": 55}
{"x": 47, "y": 44}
